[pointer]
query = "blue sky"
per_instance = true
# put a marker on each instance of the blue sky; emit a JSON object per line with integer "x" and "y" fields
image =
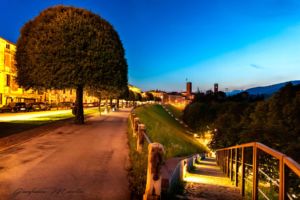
{"x": 237, "y": 43}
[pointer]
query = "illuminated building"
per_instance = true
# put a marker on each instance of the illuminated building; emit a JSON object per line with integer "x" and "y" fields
{"x": 134, "y": 89}
{"x": 216, "y": 87}
{"x": 9, "y": 89}
{"x": 188, "y": 93}
{"x": 176, "y": 98}
{"x": 159, "y": 94}
{"x": 188, "y": 88}
{"x": 11, "y": 92}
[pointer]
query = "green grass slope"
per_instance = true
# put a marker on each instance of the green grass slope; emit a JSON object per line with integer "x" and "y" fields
{"x": 176, "y": 112}
{"x": 162, "y": 128}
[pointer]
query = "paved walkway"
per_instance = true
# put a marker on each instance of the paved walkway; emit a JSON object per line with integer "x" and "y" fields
{"x": 71, "y": 162}
{"x": 207, "y": 181}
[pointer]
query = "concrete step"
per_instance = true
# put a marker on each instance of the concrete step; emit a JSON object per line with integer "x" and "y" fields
{"x": 211, "y": 192}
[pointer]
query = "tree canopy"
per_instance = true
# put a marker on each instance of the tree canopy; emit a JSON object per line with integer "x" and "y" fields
{"x": 67, "y": 47}
{"x": 244, "y": 118}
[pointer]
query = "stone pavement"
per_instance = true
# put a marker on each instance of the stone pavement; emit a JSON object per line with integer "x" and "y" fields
{"x": 71, "y": 162}
{"x": 207, "y": 181}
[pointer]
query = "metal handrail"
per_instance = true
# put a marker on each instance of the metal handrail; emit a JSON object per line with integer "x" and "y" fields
{"x": 269, "y": 178}
{"x": 293, "y": 165}
{"x": 262, "y": 193}
{"x": 227, "y": 157}
{"x": 147, "y": 138}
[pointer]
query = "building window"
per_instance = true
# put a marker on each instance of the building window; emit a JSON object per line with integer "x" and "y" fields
{"x": 14, "y": 86}
{"x": 70, "y": 91}
{"x": 7, "y": 80}
{"x": 9, "y": 100}
{"x": 7, "y": 46}
{"x": 64, "y": 91}
{"x": 7, "y": 61}
{"x": 40, "y": 92}
{"x": 0, "y": 99}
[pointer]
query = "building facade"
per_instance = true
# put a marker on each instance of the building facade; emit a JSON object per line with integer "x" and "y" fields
{"x": 188, "y": 88}
{"x": 11, "y": 92}
{"x": 216, "y": 87}
{"x": 159, "y": 94}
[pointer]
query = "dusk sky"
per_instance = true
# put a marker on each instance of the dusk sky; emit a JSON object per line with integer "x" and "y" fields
{"x": 236, "y": 43}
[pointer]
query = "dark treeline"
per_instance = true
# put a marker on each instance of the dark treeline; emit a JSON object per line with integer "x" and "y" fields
{"x": 243, "y": 118}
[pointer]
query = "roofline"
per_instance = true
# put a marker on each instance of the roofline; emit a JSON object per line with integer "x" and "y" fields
{"x": 8, "y": 41}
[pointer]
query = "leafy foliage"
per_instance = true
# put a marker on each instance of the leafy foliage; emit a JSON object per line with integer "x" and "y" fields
{"x": 149, "y": 96}
{"x": 67, "y": 47}
{"x": 244, "y": 118}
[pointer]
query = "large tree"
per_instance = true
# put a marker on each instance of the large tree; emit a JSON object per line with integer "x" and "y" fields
{"x": 117, "y": 88}
{"x": 67, "y": 47}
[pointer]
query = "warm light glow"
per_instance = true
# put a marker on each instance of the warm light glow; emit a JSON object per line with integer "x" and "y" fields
{"x": 197, "y": 178}
{"x": 179, "y": 105}
{"x": 11, "y": 92}
{"x": 27, "y": 116}
{"x": 206, "y": 166}
{"x": 42, "y": 116}
{"x": 134, "y": 89}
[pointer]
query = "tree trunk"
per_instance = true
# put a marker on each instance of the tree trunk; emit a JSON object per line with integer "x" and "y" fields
{"x": 118, "y": 101}
{"x": 79, "y": 118}
{"x": 110, "y": 102}
{"x": 106, "y": 104}
{"x": 100, "y": 105}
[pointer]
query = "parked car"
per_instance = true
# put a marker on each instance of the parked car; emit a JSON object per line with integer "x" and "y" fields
{"x": 65, "y": 105}
{"x": 45, "y": 106}
{"x": 37, "y": 106}
{"x": 18, "y": 107}
{"x": 53, "y": 106}
{"x": 14, "y": 107}
{"x": 114, "y": 107}
{"x": 88, "y": 105}
{"x": 96, "y": 104}
{"x": 5, "y": 108}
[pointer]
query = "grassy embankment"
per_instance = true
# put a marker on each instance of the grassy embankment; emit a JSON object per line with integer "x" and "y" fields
{"x": 177, "y": 112}
{"x": 204, "y": 137}
{"x": 12, "y": 127}
{"x": 162, "y": 128}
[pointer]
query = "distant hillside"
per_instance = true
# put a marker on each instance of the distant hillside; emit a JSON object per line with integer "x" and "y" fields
{"x": 269, "y": 90}
{"x": 234, "y": 92}
{"x": 266, "y": 90}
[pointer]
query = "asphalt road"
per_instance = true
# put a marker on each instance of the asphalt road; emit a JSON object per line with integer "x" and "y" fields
{"x": 72, "y": 162}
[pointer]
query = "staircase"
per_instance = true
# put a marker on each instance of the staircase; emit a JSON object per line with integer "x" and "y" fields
{"x": 248, "y": 171}
{"x": 206, "y": 181}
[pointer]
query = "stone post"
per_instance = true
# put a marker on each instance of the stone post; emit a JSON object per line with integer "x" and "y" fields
{"x": 140, "y": 137}
{"x": 132, "y": 116}
{"x": 183, "y": 169}
{"x": 155, "y": 161}
{"x": 136, "y": 122}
